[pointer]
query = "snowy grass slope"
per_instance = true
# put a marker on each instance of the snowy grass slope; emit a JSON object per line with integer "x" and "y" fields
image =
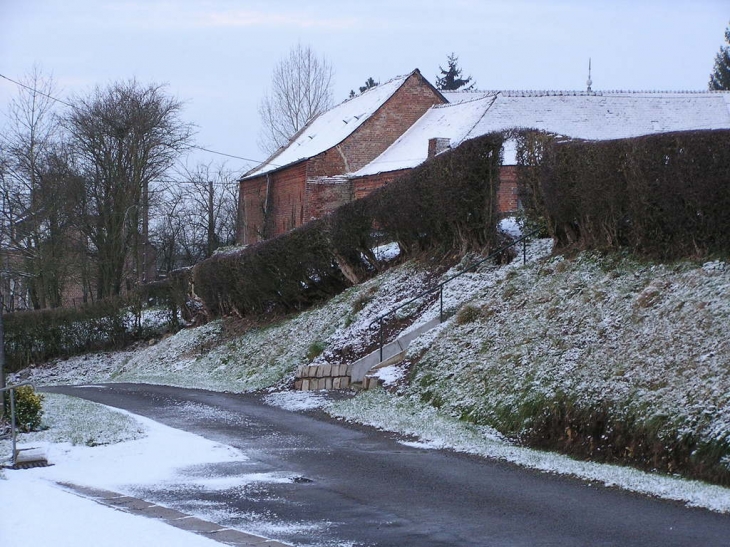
{"x": 437, "y": 429}
{"x": 79, "y": 423}
{"x": 209, "y": 358}
{"x": 639, "y": 344}
{"x": 644, "y": 340}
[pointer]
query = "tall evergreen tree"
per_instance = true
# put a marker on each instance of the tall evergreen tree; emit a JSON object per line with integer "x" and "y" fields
{"x": 720, "y": 77}
{"x": 450, "y": 79}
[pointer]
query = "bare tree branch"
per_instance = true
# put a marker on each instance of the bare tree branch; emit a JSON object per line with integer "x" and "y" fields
{"x": 301, "y": 89}
{"x": 125, "y": 136}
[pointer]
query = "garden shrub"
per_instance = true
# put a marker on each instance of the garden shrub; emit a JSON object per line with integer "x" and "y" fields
{"x": 28, "y": 408}
{"x": 315, "y": 349}
{"x": 468, "y": 314}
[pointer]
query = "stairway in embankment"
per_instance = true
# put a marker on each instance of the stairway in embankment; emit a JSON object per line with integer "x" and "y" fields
{"x": 343, "y": 376}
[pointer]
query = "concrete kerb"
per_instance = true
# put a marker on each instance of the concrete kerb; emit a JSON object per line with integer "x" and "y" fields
{"x": 140, "y": 507}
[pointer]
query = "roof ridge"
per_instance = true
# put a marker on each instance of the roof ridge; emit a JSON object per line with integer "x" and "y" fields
{"x": 582, "y": 93}
{"x": 470, "y": 101}
{"x": 403, "y": 77}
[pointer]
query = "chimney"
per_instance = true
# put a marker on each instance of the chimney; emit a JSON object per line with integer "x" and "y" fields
{"x": 437, "y": 145}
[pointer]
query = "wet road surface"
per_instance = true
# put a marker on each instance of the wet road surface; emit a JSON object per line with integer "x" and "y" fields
{"x": 328, "y": 483}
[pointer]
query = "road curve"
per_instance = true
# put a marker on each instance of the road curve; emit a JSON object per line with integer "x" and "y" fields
{"x": 356, "y": 486}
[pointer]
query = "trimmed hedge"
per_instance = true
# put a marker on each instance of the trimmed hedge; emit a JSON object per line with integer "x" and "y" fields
{"x": 665, "y": 196}
{"x": 283, "y": 273}
{"x": 39, "y": 335}
{"x": 449, "y": 202}
{"x": 36, "y": 336}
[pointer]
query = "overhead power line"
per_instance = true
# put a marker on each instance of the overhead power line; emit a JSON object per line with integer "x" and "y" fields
{"x": 34, "y": 90}
{"x": 230, "y": 155}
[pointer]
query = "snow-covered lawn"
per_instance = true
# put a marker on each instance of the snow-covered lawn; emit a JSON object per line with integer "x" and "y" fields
{"x": 91, "y": 445}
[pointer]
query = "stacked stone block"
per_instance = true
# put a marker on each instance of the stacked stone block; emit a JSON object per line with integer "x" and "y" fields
{"x": 327, "y": 376}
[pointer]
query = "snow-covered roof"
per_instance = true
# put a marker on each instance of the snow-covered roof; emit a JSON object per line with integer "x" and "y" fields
{"x": 449, "y": 121}
{"x": 575, "y": 114}
{"x": 332, "y": 127}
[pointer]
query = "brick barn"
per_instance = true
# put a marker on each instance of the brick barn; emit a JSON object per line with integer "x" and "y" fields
{"x": 304, "y": 180}
{"x": 370, "y": 140}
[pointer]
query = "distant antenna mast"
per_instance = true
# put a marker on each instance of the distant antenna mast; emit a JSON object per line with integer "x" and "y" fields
{"x": 589, "y": 82}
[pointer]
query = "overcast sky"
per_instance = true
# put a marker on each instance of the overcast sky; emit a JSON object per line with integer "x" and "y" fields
{"x": 217, "y": 55}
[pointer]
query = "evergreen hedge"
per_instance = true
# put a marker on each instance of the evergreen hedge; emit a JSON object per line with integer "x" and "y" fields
{"x": 450, "y": 202}
{"x": 665, "y": 196}
{"x": 35, "y": 336}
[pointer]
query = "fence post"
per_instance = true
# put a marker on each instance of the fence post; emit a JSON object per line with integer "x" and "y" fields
{"x": 12, "y": 420}
{"x": 380, "y": 328}
{"x": 524, "y": 251}
{"x": 441, "y": 304}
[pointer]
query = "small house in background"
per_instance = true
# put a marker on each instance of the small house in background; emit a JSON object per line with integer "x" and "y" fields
{"x": 371, "y": 140}
{"x": 303, "y": 180}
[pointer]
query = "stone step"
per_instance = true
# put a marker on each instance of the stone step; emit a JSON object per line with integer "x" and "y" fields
{"x": 343, "y": 376}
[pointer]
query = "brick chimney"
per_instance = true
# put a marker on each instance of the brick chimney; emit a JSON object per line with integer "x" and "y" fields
{"x": 437, "y": 145}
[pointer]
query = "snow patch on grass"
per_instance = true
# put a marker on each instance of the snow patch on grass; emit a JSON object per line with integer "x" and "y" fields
{"x": 295, "y": 401}
{"x": 78, "y": 423}
{"x": 436, "y": 430}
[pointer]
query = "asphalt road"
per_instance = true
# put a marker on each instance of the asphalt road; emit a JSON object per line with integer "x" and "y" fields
{"x": 355, "y": 486}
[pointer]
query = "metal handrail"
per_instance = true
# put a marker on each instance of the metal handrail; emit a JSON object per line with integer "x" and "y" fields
{"x": 440, "y": 287}
{"x": 11, "y": 389}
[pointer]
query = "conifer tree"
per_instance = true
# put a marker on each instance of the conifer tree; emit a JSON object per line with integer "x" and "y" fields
{"x": 369, "y": 84}
{"x": 720, "y": 77}
{"x": 450, "y": 79}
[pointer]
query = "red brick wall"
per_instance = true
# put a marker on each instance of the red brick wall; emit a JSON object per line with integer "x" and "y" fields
{"x": 251, "y": 203}
{"x": 285, "y": 204}
{"x": 322, "y": 198}
{"x": 363, "y": 186}
{"x": 507, "y": 195}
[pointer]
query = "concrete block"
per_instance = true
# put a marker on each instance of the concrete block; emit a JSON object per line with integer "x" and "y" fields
{"x": 306, "y": 384}
{"x": 326, "y": 370}
{"x": 312, "y": 371}
{"x": 298, "y": 384}
{"x": 345, "y": 382}
{"x": 336, "y": 383}
{"x": 328, "y": 383}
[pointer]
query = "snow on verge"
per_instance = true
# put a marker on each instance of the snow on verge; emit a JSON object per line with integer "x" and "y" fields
{"x": 294, "y": 401}
{"x": 434, "y": 429}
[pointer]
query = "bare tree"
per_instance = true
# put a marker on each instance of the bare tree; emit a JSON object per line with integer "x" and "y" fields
{"x": 34, "y": 212}
{"x": 125, "y": 137}
{"x": 196, "y": 216}
{"x": 301, "y": 88}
